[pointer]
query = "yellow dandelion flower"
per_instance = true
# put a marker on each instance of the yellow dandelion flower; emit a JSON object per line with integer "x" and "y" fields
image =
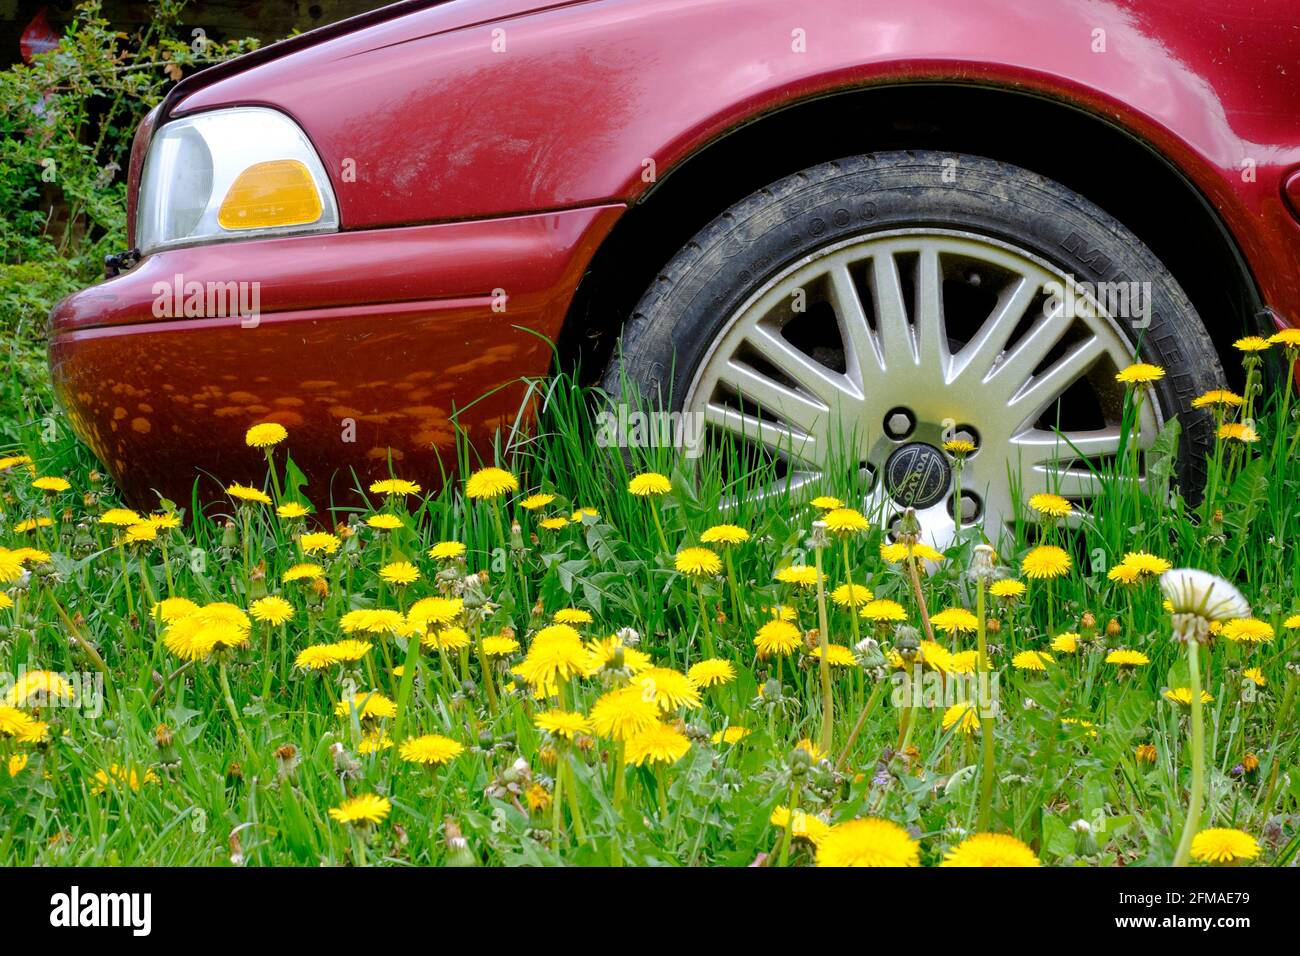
{"x": 1053, "y": 506}
{"x": 265, "y": 435}
{"x": 533, "y": 502}
{"x": 487, "y": 483}
{"x": 649, "y": 484}
{"x": 292, "y": 510}
{"x": 316, "y": 657}
{"x": 1218, "y": 397}
{"x": 121, "y": 517}
{"x": 777, "y": 637}
{"x": 395, "y": 487}
{"x": 659, "y": 743}
{"x": 712, "y": 672}
{"x": 1238, "y": 431}
{"x": 1222, "y": 845}
{"x": 1248, "y": 630}
{"x": 51, "y": 484}
{"x": 990, "y": 849}
{"x": 384, "y": 522}
{"x": 827, "y": 502}
{"x": 837, "y": 655}
{"x": 1127, "y": 658}
{"x": 845, "y": 521}
{"x": 1140, "y": 373}
{"x": 128, "y": 778}
{"x": 248, "y": 493}
{"x": 562, "y": 723}
{"x": 963, "y": 716}
{"x": 668, "y": 688}
{"x": 38, "y": 688}
{"x": 319, "y": 542}
{"x": 897, "y": 552}
{"x": 499, "y": 645}
{"x": 571, "y": 615}
{"x": 366, "y": 808}
{"x": 1008, "y": 589}
{"x": 1124, "y": 574}
{"x": 271, "y": 610}
{"x": 1251, "y": 343}
{"x": 1183, "y": 695}
{"x": 730, "y": 736}
{"x": 955, "y": 620}
{"x": 302, "y": 572}
{"x": 447, "y": 551}
{"x": 852, "y": 595}
{"x": 367, "y": 704}
{"x": 400, "y": 573}
{"x": 803, "y": 826}
{"x": 375, "y": 741}
{"x": 430, "y": 750}
{"x": 959, "y": 447}
{"x": 800, "y": 575}
{"x": 605, "y": 653}
{"x": 31, "y": 524}
{"x": 1255, "y": 676}
{"x": 1288, "y": 338}
{"x": 1067, "y": 643}
{"x": 697, "y": 562}
{"x": 725, "y": 535}
{"x": 883, "y": 609}
{"x": 1045, "y": 561}
{"x": 624, "y": 713}
{"x": 964, "y": 662}
{"x": 1031, "y": 661}
{"x": 869, "y": 841}
{"x": 815, "y": 753}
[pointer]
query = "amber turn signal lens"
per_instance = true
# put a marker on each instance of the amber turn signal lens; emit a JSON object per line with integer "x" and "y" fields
{"x": 277, "y": 193}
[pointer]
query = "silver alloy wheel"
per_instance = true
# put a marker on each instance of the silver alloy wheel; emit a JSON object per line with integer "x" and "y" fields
{"x": 911, "y": 360}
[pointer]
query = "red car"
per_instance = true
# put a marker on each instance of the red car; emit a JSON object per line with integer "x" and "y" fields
{"x": 840, "y": 232}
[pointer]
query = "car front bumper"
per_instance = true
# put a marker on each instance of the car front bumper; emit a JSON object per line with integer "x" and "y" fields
{"x": 369, "y": 347}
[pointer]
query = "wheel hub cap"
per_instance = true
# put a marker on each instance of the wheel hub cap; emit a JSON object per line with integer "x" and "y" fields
{"x": 917, "y": 475}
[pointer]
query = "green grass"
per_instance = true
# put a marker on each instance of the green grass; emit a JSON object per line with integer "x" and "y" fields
{"x": 215, "y": 784}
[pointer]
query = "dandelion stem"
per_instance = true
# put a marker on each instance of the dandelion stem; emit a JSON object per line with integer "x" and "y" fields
{"x": 823, "y": 642}
{"x": 1198, "y": 755}
{"x": 986, "y": 724}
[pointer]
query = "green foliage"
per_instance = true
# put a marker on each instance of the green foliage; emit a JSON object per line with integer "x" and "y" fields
{"x": 66, "y": 125}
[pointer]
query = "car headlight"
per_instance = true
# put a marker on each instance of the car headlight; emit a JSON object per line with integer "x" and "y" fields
{"x": 231, "y": 174}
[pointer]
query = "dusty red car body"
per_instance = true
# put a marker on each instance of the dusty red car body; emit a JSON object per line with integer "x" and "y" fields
{"x": 482, "y": 174}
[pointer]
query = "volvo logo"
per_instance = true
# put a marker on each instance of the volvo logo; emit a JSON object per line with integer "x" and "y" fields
{"x": 917, "y": 475}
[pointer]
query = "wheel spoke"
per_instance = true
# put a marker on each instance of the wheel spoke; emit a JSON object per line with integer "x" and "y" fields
{"x": 773, "y": 397}
{"x": 931, "y": 334}
{"x": 1038, "y": 445}
{"x": 862, "y": 357}
{"x": 1017, "y": 368}
{"x": 830, "y": 388}
{"x": 776, "y": 437}
{"x": 893, "y": 331}
{"x": 1040, "y": 391}
{"x": 980, "y": 354}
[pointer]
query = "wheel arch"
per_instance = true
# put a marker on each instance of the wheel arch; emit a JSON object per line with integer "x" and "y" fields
{"x": 1134, "y": 183}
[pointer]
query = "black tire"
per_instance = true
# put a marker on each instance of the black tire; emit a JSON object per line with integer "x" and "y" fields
{"x": 669, "y": 332}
